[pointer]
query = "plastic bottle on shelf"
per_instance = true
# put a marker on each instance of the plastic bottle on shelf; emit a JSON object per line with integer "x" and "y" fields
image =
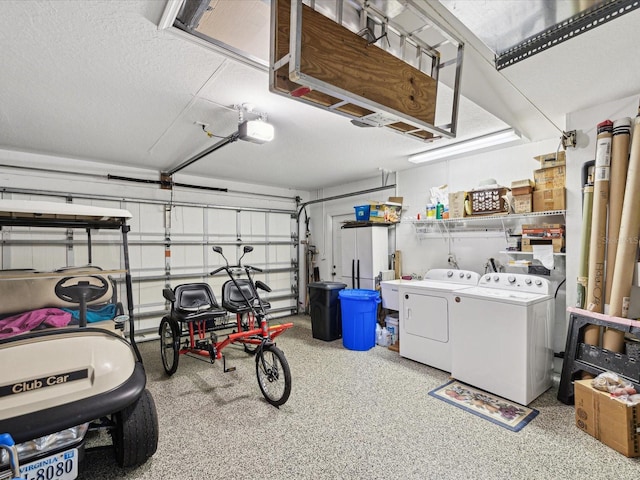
{"x": 431, "y": 211}
{"x": 385, "y": 337}
{"x": 439, "y": 211}
{"x": 378, "y": 334}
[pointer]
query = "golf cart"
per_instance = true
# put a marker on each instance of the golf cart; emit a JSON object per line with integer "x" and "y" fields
{"x": 67, "y": 367}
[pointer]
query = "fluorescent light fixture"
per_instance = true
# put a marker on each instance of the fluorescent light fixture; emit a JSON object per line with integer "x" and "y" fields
{"x": 479, "y": 144}
{"x": 256, "y": 131}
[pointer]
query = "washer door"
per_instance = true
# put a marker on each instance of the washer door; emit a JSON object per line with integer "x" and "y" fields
{"x": 426, "y": 316}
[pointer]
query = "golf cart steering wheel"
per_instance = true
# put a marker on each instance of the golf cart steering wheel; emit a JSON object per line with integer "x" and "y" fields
{"x": 79, "y": 290}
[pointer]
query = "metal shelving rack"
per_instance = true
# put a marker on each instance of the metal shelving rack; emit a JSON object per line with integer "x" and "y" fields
{"x": 480, "y": 225}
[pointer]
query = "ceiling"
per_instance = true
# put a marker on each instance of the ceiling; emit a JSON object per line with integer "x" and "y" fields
{"x": 98, "y": 80}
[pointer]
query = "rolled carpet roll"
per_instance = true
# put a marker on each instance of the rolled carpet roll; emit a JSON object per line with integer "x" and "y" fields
{"x": 619, "y": 166}
{"x": 585, "y": 237}
{"x": 598, "y": 241}
{"x": 628, "y": 242}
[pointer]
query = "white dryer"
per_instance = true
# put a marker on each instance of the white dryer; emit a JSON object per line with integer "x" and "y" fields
{"x": 503, "y": 336}
{"x": 425, "y": 315}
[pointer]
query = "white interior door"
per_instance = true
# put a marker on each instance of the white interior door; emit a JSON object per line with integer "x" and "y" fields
{"x": 336, "y": 247}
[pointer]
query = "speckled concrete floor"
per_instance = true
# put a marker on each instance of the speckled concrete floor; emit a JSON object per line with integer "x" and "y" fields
{"x": 351, "y": 415}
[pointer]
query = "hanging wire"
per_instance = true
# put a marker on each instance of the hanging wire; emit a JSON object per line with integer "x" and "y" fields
{"x": 210, "y": 134}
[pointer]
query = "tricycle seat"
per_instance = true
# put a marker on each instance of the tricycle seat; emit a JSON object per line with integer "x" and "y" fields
{"x": 233, "y": 299}
{"x": 194, "y": 302}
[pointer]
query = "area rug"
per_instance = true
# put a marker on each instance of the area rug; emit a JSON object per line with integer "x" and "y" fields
{"x": 509, "y": 415}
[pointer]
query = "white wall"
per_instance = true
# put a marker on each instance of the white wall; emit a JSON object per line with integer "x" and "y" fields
{"x": 413, "y": 184}
{"x": 506, "y": 165}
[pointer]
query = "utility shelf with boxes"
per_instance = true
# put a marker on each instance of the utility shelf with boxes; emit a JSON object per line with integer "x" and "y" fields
{"x": 547, "y": 190}
{"x": 543, "y": 234}
{"x": 479, "y": 201}
{"x": 380, "y": 212}
{"x": 489, "y": 201}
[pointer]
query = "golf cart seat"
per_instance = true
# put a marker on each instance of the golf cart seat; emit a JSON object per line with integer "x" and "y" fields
{"x": 233, "y": 299}
{"x": 193, "y": 302}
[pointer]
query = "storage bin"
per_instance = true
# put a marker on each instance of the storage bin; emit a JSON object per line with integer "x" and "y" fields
{"x": 326, "y": 321}
{"x": 488, "y": 201}
{"x": 359, "y": 311}
{"x": 362, "y": 212}
{"x": 392, "y": 323}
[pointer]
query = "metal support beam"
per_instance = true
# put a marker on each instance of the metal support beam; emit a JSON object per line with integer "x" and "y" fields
{"x": 570, "y": 28}
{"x": 225, "y": 141}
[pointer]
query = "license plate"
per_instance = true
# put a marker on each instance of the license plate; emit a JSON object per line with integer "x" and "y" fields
{"x": 61, "y": 466}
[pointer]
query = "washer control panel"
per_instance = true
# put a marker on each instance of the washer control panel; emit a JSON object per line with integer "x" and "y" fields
{"x": 466, "y": 277}
{"x": 515, "y": 281}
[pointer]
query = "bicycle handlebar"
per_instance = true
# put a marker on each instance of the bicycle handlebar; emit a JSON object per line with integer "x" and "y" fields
{"x": 217, "y": 270}
{"x": 220, "y": 269}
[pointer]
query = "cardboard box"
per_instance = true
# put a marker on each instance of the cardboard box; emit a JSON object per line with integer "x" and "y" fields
{"x": 522, "y": 187}
{"x": 529, "y": 242}
{"x": 385, "y": 212}
{"x": 548, "y": 178}
{"x": 456, "y": 204}
{"x": 552, "y": 159}
{"x": 544, "y": 230}
{"x": 523, "y": 203}
{"x": 609, "y": 420}
{"x": 550, "y": 199}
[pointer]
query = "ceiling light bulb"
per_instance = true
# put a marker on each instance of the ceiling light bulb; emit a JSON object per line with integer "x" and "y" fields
{"x": 256, "y": 131}
{"x": 475, "y": 145}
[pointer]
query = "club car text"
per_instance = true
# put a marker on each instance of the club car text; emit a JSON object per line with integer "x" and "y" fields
{"x": 43, "y": 382}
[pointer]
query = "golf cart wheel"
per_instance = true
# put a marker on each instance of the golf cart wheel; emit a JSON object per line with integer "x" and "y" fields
{"x": 274, "y": 375}
{"x": 169, "y": 345}
{"x": 135, "y": 431}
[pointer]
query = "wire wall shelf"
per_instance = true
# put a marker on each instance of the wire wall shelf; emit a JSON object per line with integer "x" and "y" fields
{"x": 497, "y": 225}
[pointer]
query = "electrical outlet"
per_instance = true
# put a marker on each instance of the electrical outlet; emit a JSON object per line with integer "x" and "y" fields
{"x": 569, "y": 139}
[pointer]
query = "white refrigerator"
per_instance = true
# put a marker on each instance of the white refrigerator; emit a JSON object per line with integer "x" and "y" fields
{"x": 365, "y": 253}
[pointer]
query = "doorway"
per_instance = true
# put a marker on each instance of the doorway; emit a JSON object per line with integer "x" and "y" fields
{"x": 336, "y": 245}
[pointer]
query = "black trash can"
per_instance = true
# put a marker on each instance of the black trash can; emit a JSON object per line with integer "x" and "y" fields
{"x": 326, "y": 320}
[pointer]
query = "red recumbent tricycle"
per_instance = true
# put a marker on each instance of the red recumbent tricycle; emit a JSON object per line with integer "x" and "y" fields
{"x": 195, "y": 320}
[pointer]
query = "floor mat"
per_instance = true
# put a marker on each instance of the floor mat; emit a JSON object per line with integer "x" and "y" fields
{"x": 497, "y": 410}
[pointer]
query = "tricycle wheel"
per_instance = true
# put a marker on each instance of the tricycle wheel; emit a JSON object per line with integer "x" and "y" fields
{"x": 169, "y": 345}
{"x": 135, "y": 431}
{"x": 274, "y": 375}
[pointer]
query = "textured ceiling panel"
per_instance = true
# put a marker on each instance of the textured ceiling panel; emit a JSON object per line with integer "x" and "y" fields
{"x": 97, "y": 80}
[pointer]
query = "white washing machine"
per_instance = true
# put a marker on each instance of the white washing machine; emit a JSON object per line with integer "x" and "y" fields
{"x": 425, "y": 315}
{"x": 502, "y": 330}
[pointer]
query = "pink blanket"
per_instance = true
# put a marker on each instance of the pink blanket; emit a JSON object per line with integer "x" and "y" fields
{"x": 24, "y": 322}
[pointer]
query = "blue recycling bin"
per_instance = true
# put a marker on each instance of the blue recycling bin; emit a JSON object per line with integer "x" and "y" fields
{"x": 359, "y": 309}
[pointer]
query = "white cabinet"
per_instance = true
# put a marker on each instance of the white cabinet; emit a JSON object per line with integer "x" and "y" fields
{"x": 365, "y": 253}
